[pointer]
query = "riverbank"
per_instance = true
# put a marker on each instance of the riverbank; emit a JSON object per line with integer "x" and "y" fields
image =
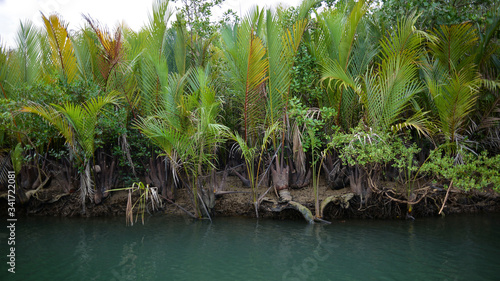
{"x": 343, "y": 204}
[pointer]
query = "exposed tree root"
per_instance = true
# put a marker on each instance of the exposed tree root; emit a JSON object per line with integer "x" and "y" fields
{"x": 342, "y": 200}
{"x": 278, "y": 207}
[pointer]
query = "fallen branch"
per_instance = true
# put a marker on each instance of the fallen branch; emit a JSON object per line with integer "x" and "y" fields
{"x": 446, "y": 197}
{"x": 178, "y": 206}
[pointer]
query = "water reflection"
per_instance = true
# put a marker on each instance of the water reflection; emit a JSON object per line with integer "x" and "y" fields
{"x": 461, "y": 248}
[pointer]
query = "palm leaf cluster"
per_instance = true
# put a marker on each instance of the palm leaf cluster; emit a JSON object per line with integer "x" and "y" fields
{"x": 452, "y": 77}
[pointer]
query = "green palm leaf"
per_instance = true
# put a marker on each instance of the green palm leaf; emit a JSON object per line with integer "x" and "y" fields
{"x": 180, "y": 49}
{"x": 54, "y": 117}
{"x": 77, "y": 123}
{"x": 452, "y": 77}
{"x": 340, "y": 33}
{"x": 282, "y": 46}
{"x": 280, "y": 62}
{"x": 349, "y": 32}
{"x": 148, "y": 51}
{"x": 388, "y": 92}
{"x": 29, "y": 53}
{"x": 4, "y": 72}
{"x": 86, "y": 53}
{"x": 248, "y": 66}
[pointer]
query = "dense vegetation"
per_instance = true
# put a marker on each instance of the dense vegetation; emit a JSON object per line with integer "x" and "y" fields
{"x": 360, "y": 92}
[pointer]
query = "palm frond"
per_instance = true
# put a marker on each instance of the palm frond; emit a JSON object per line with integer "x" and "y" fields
{"x": 305, "y": 7}
{"x": 157, "y": 27}
{"x": 280, "y": 61}
{"x": 255, "y": 76}
{"x": 338, "y": 77}
{"x": 453, "y": 46}
{"x": 158, "y": 131}
{"x": 417, "y": 121}
{"x": 246, "y": 151}
{"x": 334, "y": 48}
{"x": 149, "y": 51}
{"x": 169, "y": 107}
{"x": 456, "y": 101}
{"x": 452, "y": 78}
{"x": 86, "y": 53}
{"x": 4, "y": 71}
{"x": 77, "y": 123}
{"x": 388, "y": 91}
{"x": 61, "y": 47}
{"x": 180, "y": 49}
{"x": 248, "y": 66}
{"x": 29, "y": 52}
{"x": 54, "y": 117}
{"x": 111, "y": 51}
{"x": 405, "y": 41}
{"x": 282, "y": 46}
{"x": 349, "y": 31}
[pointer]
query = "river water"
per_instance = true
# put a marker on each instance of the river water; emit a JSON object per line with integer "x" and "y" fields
{"x": 175, "y": 248}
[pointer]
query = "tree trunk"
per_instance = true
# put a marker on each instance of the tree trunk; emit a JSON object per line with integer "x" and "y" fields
{"x": 336, "y": 173}
{"x": 85, "y": 185}
{"x": 299, "y": 178}
{"x": 358, "y": 181}
{"x": 280, "y": 181}
{"x": 105, "y": 177}
{"x": 158, "y": 177}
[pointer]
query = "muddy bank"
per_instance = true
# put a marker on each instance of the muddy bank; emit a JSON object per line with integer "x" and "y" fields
{"x": 343, "y": 204}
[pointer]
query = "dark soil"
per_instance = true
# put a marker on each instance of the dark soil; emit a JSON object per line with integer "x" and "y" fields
{"x": 53, "y": 200}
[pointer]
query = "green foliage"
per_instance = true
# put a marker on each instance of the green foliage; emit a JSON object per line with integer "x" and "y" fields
{"x": 140, "y": 149}
{"x": 198, "y": 13}
{"x": 386, "y": 89}
{"x": 436, "y": 12}
{"x": 250, "y": 154}
{"x": 305, "y": 79}
{"x": 6, "y": 107}
{"x": 27, "y": 53}
{"x": 475, "y": 172}
{"x": 343, "y": 58}
{"x": 110, "y": 126}
{"x": 39, "y": 133}
{"x": 248, "y": 66}
{"x": 77, "y": 123}
{"x": 317, "y": 123}
{"x": 373, "y": 150}
{"x": 185, "y": 126}
{"x": 179, "y": 81}
{"x": 16, "y": 157}
{"x": 452, "y": 78}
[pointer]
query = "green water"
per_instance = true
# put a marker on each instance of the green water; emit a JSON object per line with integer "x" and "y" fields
{"x": 168, "y": 248}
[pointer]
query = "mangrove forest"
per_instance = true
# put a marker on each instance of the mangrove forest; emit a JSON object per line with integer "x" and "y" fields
{"x": 328, "y": 110}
